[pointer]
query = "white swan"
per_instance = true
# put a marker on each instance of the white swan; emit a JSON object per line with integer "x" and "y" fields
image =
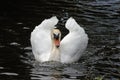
{"x": 46, "y": 44}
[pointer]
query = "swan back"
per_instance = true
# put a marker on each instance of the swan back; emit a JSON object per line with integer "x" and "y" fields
{"x": 48, "y": 23}
{"x": 41, "y": 39}
{"x": 73, "y": 44}
{"x": 72, "y": 25}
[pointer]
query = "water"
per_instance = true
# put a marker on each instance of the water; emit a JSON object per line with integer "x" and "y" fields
{"x": 100, "y": 19}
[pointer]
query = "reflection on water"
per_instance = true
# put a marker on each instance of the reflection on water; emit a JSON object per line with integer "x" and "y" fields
{"x": 100, "y": 19}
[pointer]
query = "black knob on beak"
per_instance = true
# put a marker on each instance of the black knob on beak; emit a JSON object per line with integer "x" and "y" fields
{"x": 56, "y": 36}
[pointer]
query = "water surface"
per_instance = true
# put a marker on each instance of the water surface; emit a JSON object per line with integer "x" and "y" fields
{"x": 99, "y": 18}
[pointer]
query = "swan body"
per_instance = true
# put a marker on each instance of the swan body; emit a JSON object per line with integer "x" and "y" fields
{"x": 47, "y": 44}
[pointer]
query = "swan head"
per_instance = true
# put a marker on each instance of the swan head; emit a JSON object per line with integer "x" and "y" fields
{"x": 56, "y": 37}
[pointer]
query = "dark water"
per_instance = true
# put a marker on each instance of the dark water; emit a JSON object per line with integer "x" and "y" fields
{"x": 100, "y": 19}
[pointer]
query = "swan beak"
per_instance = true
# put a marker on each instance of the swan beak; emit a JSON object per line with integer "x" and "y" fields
{"x": 57, "y": 40}
{"x": 56, "y": 37}
{"x": 57, "y": 43}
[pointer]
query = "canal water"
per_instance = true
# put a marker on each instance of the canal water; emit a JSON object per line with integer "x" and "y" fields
{"x": 99, "y": 18}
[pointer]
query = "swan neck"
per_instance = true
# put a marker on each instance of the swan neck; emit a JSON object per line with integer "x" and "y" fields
{"x": 55, "y": 53}
{"x": 55, "y": 39}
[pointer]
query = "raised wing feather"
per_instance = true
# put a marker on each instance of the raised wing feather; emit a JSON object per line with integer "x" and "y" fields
{"x": 73, "y": 44}
{"x": 40, "y": 39}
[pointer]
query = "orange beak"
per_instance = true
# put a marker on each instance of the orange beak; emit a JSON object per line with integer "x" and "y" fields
{"x": 57, "y": 42}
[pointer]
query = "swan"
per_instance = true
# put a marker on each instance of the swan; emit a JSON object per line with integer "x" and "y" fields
{"x": 47, "y": 44}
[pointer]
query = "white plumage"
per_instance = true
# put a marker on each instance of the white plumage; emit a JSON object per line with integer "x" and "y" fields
{"x": 71, "y": 47}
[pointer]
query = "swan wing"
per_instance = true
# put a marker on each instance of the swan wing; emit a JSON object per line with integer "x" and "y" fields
{"x": 73, "y": 44}
{"x": 41, "y": 39}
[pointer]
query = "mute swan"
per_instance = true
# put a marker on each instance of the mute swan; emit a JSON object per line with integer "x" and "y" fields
{"x": 47, "y": 44}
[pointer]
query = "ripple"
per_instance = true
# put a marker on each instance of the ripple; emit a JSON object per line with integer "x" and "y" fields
{"x": 9, "y": 74}
{"x": 100, "y": 18}
{"x": 1, "y": 67}
{"x": 19, "y": 23}
{"x": 15, "y": 44}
